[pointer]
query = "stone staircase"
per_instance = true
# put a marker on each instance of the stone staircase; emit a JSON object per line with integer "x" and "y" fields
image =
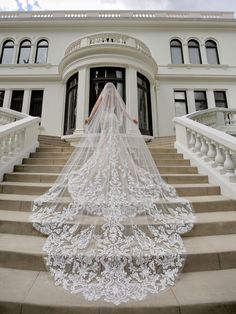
{"x": 207, "y": 284}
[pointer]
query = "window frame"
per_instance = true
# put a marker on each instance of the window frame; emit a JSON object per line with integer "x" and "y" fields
{"x": 180, "y": 46}
{"x": 21, "y": 47}
{"x": 199, "y": 100}
{"x": 4, "y": 46}
{"x": 225, "y": 98}
{"x": 185, "y": 100}
{"x": 215, "y": 48}
{"x": 37, "y": 49}
{"x": 197, "y": 47}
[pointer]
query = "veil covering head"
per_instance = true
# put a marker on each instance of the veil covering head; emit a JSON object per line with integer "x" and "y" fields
{"x": 113, "y": 224}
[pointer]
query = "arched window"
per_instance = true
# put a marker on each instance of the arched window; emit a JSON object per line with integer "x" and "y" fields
{"x": 70, "y": 108}
{"x": 144, "y": 105}
{"x": 176, "y": 52}
{"x": 212, "y": 53}
{"x": 194, "y": 52}
{"x": 7, "y": 52}
{"x": 41, "y": 52}
{"x": 24, "y": 52}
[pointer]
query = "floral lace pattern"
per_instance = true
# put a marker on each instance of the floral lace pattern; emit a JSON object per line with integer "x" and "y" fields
{"x": 113, "y": 223}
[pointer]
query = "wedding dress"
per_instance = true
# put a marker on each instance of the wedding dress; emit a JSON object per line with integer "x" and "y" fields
{"x": 113, "y": 224}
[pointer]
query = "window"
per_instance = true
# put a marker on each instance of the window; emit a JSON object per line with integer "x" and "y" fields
{"x": 181, "y": 106}
{"x": 144, "y": 105}
{"x": 17, "y": 100}
{"x": 176, "y": 52}
{"x": 220, "y": 99}
{"x": 102, "y": 75}
{"x": 36, "y": 103}
{"x": 70, "y": 107}
{"x": 2, "y": 93}
{"x": 24, "y": 52}
{"x": 194, "y": 52}
{"x": 41, "y": 52}
{"x": 212, "y": 53}
{"x": 7, "y": 52}
{"x": 200, "y": 100}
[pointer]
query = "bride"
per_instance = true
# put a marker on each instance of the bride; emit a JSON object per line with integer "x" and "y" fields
{"x": 113, "y": 224}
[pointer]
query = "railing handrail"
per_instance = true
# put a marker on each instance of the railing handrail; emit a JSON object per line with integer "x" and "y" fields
{"x": 200, "y": 113}
{"x": 222, "y": 138}
{"x": 16, "y": 125}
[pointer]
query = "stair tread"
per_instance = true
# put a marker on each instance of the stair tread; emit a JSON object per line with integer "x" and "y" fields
{"x": 194, "y": 245}
{"x": 37, "y": 289}
{"x": 42, "y": 184}
{"x": 208, "y": 217}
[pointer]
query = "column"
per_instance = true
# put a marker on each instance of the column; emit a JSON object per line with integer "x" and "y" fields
{"x": 154, "y": 100}
{"x": 32, "y": 54}
{"x": 26, "y": 101}
{"x": 15, "y": 54}
{"x": 210, "y": 98}
{"x": 82, "y": 101}
{"x": 190, "y": 101}
{"x": 185, "y": 53}
{"x": 203, "y": 53}
{"x": 131, "y": 96}
{"x": 7, "y": 98}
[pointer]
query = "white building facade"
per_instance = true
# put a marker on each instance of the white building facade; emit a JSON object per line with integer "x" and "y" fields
{"x": 163, "y": 63}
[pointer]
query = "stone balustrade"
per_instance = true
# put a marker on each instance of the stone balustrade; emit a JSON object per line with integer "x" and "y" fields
{"x": 18, "y": 138}
{"x": 212, "y": 150}
{"x": 108, "y": 39}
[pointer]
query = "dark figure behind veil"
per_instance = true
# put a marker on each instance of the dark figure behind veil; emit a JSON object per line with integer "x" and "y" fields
{"x": 113, "y": 224}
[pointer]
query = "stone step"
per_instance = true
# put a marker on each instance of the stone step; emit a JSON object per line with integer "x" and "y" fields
{"x": 67, "y": 154}
{"x": 47, "y": 177}
{"x": 203, "y": 253}
{"x": 62, "y": 161}
{"x": 40, "y": 188}
{"x": 34, "y": 292}
{"x": 211, "y": 223}
{"x": 57, "y": 169}
{"x": 208, "y": 203}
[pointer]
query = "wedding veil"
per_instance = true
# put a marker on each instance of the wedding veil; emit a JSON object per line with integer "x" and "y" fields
{"x": 113, "y": 224}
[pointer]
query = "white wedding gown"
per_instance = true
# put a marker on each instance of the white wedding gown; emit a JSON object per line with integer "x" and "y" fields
{"x": 113, "y": 223}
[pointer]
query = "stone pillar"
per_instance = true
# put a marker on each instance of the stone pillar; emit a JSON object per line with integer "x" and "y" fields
{"x": 190, "y": 100}
{"x": 7, "y": 98}
{"x": 210, "y": 98}
{"x": 203, "y": 53}
{"x": 82, "y": 100}
{"x": 26, "y": 101}
{"x": 131, "y": 96}
{"x": 32, "y": 54}
{"x": 15, "y": 54}
{"x": 185, "y": 53}
{"x": 153, "y": 93}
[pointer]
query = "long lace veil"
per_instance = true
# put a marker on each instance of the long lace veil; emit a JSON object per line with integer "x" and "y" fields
{"x": 113, "y": 224}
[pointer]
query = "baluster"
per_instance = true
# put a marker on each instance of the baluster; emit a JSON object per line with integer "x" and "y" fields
{"x": 219, "y": 158}
{"x": 211, "y": 153}
{"x": 198, "y": 145}
{"x": 229, "y": 165}
{"x": 1, "y": 150}
{"x": 204, "y": 148}
{"x": 6, "y": 148}
{"x": 12, "y": 149}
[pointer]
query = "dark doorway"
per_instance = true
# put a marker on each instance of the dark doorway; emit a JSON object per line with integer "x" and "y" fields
{"x": 70, "y": 108}
{"x": 102, "y": 75}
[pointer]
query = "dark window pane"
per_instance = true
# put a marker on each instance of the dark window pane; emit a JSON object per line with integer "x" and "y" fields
{"x": 220, "y": 99}
{"x": 7, "y": 52}
{"x": 144, "y": 105}
{"x": 181, "y": 106}
{"x": 17, "y": 100}
{"x": 24, "y": 52}
{"x": 2, "y": 93}
{"x": 212, "y": 53}
{"x": 41, "y": 52}
{"x": 200, "y": 100}
{"x": 176, "y": 52}
{"x": 194, "y": 52}
{"x": 36, "y": 103}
